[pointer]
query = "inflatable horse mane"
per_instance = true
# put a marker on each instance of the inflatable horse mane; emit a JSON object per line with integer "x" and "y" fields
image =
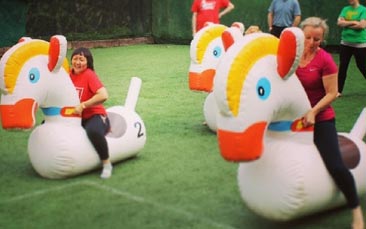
{"x": 35, "y": 73}
{"x": 281, "y": 175}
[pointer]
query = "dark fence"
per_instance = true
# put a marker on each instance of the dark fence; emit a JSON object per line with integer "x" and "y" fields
{"x": 167, "y": 21}
{"x": 12, "y": 23}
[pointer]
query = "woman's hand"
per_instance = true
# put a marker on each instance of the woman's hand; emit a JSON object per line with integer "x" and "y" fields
{"x": 308, "y": 119}
{"x": 79, "y": 109}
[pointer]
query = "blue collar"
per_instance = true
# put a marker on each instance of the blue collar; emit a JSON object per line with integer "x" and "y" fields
{"x": 280, "y": 126}
{"x": 51, "y": 111}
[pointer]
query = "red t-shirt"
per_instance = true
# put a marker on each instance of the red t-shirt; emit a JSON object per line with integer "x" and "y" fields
{"x": 87, "y": 84}
{"x": 207, "y": 11}
{"x": 311, "y": 79}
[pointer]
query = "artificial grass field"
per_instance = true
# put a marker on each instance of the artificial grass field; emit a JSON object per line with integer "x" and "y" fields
{"x": 178, "y": 180}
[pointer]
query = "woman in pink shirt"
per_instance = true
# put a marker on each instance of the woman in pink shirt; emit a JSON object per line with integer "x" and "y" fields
{"x": 318, "y": 74}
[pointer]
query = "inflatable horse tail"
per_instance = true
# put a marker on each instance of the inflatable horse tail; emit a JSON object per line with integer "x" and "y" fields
{"x": 133, "y": 93}
{"x": 359, "y": 128}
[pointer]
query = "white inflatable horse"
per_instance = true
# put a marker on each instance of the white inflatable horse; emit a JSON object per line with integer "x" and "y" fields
{"x": 206, "y": 50}
{"x": 34, "y": 73}
{"x": 281, "y": 175}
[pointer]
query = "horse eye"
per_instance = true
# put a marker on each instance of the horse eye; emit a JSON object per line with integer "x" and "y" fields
{"x": 33, "y": 75}
{"x": 217, "y": 51}
{"x": 263, "y": 88}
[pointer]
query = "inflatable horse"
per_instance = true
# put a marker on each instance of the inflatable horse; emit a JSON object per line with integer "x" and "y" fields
{"x": 281, "y": 175}
{"x": 34, "y": 73}
{"x": 206, "y": 50}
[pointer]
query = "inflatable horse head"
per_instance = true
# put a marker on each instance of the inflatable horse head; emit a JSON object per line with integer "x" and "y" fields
{"x": 255, "y": 86}
{"x": 34, "y": 73}
{"x": 206, "y": 50}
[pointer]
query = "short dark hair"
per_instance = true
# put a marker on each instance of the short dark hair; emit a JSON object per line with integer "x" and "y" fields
{"x": 87, "y": 54}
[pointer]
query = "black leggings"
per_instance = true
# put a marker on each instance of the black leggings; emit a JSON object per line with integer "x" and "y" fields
{"x": 345, "y": 54}
{"x": 326, "y": 140}
{"x": 96, "y": 128}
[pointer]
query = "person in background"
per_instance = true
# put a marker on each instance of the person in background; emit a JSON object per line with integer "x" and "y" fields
{"x": 317, "y": 73}
{"x": 92, "y": 95}
{"x": 252, "y": 29}
{"x": 352, "y": 20}
{"x": 283, "y": 14}
{"x": 208, "y": 11}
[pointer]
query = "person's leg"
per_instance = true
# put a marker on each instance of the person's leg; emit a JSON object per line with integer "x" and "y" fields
{"x": 357, "y": 216}
{"x": 345, "y": 54}
{"x": 96, "y": 128}
{"x": 326, "y": 140}
{"x": 360, "y": 56}
{"x": 276, "y": 31}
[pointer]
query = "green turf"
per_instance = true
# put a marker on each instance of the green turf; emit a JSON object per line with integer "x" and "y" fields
{"x": 179, "y": 179}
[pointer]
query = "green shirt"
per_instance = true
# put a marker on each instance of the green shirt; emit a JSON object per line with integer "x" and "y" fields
{"x": 353, "y": 14}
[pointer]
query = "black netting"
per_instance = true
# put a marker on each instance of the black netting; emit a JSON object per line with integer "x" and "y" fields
{"x": 12, "y": 23}
{"x": 89, "y": 19}
{"x": 165, "y": 20}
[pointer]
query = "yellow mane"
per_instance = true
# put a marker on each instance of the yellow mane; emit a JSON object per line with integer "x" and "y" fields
{"x": 244, "y": 62}
{"x": 206, "y": 38}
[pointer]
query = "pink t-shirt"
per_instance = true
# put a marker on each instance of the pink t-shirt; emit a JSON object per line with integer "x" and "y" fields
{"x": 207, "y": 11}
{"x": 311, "y": 76}
{"x": 87, "y": 84}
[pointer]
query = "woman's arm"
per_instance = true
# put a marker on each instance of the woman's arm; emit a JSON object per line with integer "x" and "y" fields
{"x": 270, "y": 21}
{"x": 330, "y": 83}
{"x": 194, "y": 21}
{"x": 358, "y": 24}
{"x": 341, "y": 22}
{"x": 297, "y": 20}
{"x": 229, "y": 8}
{"x": 100, "y": 97}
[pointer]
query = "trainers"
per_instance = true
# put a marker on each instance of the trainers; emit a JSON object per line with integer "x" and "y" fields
{"x": 106, "y": 172}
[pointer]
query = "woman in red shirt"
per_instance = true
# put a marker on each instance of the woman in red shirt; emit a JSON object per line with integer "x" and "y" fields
{"x": 92, "y": 94}
{"x": 208, "y": 11}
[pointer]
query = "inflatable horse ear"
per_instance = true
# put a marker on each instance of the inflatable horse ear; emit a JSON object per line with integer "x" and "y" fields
{"x": 57, "y": 52}
{"x": 232, "y": 34}
{"x": 289, "y": 52}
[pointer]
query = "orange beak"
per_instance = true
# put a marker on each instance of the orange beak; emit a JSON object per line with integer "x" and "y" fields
{"x": 243, "y": 146}
{"x": 202, "y": 81}
{"x": 18, "y": 116}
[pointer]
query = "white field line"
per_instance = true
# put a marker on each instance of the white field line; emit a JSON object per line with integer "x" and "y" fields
{"x": 119, "y": 193}
{"x": 39, "y": 192}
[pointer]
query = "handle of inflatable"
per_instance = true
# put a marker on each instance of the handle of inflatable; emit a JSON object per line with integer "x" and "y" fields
{"x": 133, "y": 93}
{"x": 359, "y": 128}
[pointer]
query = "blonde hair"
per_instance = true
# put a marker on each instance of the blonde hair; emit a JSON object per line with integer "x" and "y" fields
{"x": 316, "y": 22}
{"x": 253, "y": 29}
